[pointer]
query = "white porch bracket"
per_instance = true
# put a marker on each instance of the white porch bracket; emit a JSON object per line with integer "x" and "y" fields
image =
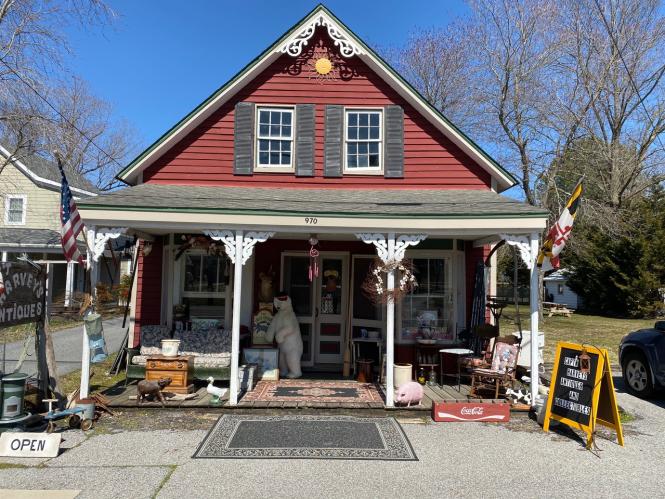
{"x": 239, "y": 248}
{"x": 528, "y": 248}
{"x": 523, "y": 244}
{"x": 390, "y": 248}
{"x": 98, "y": 238}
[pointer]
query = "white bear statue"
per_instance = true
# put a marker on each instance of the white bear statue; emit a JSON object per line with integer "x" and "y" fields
{"x": 285, "y": 329}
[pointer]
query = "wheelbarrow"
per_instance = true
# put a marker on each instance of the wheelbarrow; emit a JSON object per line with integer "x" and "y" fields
{"x": 75, "y": 417}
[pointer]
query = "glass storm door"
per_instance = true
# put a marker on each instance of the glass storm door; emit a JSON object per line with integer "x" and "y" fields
{"x": 331, "y": 302}
{"x": 320, "y": 306}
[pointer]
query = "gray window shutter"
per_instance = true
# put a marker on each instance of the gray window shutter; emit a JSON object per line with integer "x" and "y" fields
{"x": 394, "y": 142}
{"x": 305, "y": 140}
{"x": 243, "y": 142}
{"x": 334, "y": 133}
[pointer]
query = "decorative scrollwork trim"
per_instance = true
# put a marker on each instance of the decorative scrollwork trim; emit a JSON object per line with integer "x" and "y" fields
{"x": 294, "y": 45}
{"x": 379, "y": 241}
{"x": 249, "y": 240}
{"x": 523, "y": 244}
{"x": 101, "y": 237}
{"x": 404, "y": 241}
{"x": 228, "y": 238}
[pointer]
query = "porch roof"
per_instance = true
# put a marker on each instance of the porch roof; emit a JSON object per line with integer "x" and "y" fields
{"x": 374, "y": 203}
{"x": 15, "y": 239}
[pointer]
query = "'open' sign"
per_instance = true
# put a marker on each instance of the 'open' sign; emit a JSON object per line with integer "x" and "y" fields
{"x": 29, "y": 445}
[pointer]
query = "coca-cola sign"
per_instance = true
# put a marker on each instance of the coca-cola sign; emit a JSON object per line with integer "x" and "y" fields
{"x": 462, "y": 411}
{"x": 472, "y": 411}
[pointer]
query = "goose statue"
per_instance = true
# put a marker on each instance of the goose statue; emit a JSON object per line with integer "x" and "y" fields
{"x": 217, "y": 393}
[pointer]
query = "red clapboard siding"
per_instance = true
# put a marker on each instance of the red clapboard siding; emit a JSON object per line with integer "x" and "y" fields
{"x": 148, "y": 289}
{"x": 205, "y": 156}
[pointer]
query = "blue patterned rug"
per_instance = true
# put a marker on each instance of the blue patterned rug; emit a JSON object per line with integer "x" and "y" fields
{"x": 306, "y": 437}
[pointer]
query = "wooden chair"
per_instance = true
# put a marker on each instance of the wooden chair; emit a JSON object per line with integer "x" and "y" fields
{"x": 501, "y": 373}
{"x": 484, "y": 333}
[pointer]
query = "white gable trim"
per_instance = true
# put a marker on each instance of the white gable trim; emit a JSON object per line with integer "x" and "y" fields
{"x": 40, "y": 181}
{"x": 293, "y": 45}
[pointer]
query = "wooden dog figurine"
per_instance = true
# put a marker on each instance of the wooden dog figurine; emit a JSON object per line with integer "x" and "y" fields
{"x": 145, "y": 389}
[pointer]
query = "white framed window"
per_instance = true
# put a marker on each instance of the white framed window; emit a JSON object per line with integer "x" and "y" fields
{"x": 15, "y": 207}
{"x": 432, "y": 310}
{"x": 363, "y": 141}
{"x": 274, "y": 139}
{"x": 204, "y": 284}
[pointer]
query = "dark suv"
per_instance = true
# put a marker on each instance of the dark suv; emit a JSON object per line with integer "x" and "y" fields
{"x": 642, "y": 358}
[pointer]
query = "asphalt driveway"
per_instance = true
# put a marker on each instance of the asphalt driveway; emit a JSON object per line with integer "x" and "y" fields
{"x": 68, "y": 347}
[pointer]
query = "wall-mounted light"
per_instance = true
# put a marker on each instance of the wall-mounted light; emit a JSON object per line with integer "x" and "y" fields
{"x": 147, "y": 248}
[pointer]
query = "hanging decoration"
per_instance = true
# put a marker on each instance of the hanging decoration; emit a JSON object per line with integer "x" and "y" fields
{"x": 313, "y": 258}
{"x": 324, "y": 65}
{"x": 198, "y": 241}
{"x": 375, "y": 289}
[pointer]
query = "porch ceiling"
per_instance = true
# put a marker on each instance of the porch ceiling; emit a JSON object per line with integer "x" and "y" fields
{"x": 469, "y": 213}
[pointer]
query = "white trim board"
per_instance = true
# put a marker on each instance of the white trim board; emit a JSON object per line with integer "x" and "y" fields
{"x": 39, "y": 181}
{"x": 320, "y": 14}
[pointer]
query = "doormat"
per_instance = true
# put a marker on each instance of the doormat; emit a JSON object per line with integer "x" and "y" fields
{"x": 306, "y": 437}
{"x": 295, "y": 390}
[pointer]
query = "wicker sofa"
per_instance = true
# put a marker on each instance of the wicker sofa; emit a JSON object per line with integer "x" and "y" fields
{"x": 209, "y": 344}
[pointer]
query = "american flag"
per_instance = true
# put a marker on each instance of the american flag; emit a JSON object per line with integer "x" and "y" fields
{"x": 72, "y": 225}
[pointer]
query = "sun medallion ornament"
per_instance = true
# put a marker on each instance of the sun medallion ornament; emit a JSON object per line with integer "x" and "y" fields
{"x": 323, "y": 65}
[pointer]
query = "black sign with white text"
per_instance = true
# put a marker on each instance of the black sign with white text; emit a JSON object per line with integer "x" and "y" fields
{"x": 572, "y": 390}
{"x": 22, "y": 288}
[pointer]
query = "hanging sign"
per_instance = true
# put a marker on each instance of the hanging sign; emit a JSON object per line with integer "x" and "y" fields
{"x": 582, "y": 391}
{"x": 21, "y": 293}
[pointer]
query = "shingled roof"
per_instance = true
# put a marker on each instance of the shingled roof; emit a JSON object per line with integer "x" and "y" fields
{"x": 46, "y": 174}
{"x": 357, "y": 202}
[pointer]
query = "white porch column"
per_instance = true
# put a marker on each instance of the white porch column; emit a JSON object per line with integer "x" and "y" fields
{"x": 390, "y": 327}
{"x": 85, "y": 347}
{"x": 390, "y": 249}
{"x": 69, "y": 284}
{"x": 4, "y": 256}
{"x": 534, "y": 301}
{"x": 239, "y": 249}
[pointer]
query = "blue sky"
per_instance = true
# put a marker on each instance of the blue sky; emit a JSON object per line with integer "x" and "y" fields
{"x": 162, "y": 58}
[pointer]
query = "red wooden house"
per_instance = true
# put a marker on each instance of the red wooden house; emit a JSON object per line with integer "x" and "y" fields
{"x": 316, "y": 137}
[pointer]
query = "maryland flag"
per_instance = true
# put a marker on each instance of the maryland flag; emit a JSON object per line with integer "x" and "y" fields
{"x": 548, "y": 258}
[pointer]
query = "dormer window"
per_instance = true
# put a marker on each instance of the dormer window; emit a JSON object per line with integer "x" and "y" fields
{"x": 363, "y": 137}
{"x": 274, "y": 139}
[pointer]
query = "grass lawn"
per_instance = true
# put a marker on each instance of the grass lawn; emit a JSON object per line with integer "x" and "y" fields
{"x": 601, "y": 332}
{"x": 99, "y": 381}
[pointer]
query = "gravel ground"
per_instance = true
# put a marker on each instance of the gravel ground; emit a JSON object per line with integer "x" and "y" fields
{"x": 127, "y": 456}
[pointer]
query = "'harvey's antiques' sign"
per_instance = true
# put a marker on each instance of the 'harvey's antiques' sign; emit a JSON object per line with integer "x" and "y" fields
{"x": 22, "y": 288}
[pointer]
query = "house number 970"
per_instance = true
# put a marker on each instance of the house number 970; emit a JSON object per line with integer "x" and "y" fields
{"x": 311, "y": 220}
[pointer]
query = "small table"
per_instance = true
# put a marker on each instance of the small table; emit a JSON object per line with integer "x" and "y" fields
{"x": 176, "y": 368}
{"x": 459, "y": 353}
{"x": 356, "y": 350}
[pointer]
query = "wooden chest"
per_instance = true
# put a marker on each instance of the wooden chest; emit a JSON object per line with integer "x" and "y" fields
{"x": 176, "y": 368}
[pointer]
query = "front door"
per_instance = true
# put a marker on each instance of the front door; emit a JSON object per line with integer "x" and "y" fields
{"x": 320, "y": 305}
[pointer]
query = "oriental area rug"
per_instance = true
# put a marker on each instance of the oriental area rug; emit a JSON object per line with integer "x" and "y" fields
{"x": 306, "y": 437}
{"x": 292, "y": 391}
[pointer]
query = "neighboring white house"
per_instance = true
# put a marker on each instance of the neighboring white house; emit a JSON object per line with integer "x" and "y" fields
{"x": 30, "y": 221}
{"x": 557, "y": 290}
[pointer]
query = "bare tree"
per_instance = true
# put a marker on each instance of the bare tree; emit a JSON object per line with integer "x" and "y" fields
{"x": 38, "y": 112}
{"x": 438, "y": 64}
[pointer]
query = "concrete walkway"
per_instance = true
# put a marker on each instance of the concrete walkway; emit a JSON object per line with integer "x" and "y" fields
{"x": 455, "y": 460}
{"x": 67, "y": 344}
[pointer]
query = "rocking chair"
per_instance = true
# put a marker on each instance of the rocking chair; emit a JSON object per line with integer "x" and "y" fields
{"x": 500, "y": 374}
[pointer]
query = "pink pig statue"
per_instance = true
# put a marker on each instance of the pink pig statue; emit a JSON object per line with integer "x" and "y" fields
{"x": 409, "y": 393}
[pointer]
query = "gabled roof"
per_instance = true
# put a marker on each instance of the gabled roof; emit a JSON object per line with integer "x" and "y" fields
{"x": 292, "y": 43}
{"x": 45, "y": 174}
